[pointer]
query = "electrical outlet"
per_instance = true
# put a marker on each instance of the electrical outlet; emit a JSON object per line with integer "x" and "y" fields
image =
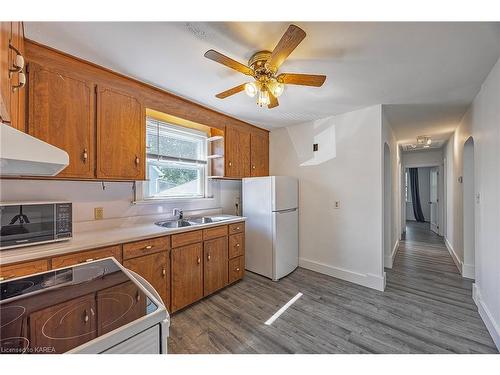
{"x": 98, "y": 213}
{"x": 336, "y": 204}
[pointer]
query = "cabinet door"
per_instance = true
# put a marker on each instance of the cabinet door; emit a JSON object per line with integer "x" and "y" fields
{"x": 119, "y": 305}
{"x": 61, "y": 112}
{"x": 237, "y": 153}
{"x": 155, "y": 268}
{"x": 17, "y": 95}
{"x": 64, "y": 326}
{"x": 187, "y": 275}
{"x": 259, "y": 155}
{"x": 215, "y": 265}
{"x": 121, "y": 129}
{"x": 5, "y": 89}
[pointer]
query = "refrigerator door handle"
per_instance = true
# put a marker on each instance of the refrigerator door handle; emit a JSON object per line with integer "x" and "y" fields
{"x": 285, "y": 211}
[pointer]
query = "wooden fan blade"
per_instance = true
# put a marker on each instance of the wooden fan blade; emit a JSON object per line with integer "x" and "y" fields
{"x": 232, "y": 91}
{"x": 302, "y": 79}
{"x": 273, "y": 101}
{"x": 227, "y": 61}
{"x": 288, "y": 42}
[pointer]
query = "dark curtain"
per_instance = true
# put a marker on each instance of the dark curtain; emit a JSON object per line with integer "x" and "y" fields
{"x": 415, "y": 195}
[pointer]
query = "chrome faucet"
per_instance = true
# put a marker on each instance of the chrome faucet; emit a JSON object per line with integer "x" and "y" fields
{"x": 177, "y": 212}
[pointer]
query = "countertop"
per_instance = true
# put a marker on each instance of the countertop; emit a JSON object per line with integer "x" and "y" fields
{"x": 124, "y": 232}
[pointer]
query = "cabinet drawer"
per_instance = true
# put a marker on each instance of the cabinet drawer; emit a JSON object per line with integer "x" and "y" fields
{"x": 87, "y": 256}
{"x": 138, "y": 248}
{"x": 215, "y": 232}
{"x": 236, "y": 245}
{"x": 23, "y": 269}
{"x": 236, "y": 228}
{"x": 187, "y": 238}
{"x": 236, "y": 269}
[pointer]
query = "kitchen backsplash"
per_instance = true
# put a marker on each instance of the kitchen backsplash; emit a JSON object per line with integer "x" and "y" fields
{"x": 116, "y": 197}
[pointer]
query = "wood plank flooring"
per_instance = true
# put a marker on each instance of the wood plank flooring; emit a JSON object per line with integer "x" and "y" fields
{"x": 426, "y": 308}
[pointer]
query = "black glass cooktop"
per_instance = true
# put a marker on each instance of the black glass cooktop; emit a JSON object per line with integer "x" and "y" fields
{"x": 56, "y": 311}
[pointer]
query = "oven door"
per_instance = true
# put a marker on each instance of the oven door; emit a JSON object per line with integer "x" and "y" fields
{"x": 23, "y": 224}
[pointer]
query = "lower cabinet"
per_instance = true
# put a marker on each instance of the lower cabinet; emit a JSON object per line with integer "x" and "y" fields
{"x": 214, "y": 265}
{"x": 70, "y": 324}
{"x": 187, "y": 275}
{"x": 236, "y": 269}
{"x": 155, "y": 268}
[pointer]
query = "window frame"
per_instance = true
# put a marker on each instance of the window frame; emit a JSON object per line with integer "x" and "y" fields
{"x": 142, "y": 194}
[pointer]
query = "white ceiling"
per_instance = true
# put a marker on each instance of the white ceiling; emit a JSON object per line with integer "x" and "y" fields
{"x": 427, "y": 73}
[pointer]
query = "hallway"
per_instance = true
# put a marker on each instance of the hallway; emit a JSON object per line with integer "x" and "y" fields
{"x": 426, "y": 308}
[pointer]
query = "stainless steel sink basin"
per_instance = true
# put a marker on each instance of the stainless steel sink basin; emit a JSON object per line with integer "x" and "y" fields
{"x": 207, "y": 219}
{"x": 174, "y": 223}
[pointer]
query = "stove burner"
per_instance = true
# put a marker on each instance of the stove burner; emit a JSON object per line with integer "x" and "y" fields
{"x": 11, "y": 313}
{"x": 14, "y": 345}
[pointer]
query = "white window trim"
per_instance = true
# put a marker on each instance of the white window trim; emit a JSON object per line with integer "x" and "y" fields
{"x": 140, "y": 187}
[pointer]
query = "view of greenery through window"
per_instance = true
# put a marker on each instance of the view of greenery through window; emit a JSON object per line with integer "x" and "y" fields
{"x": 169, "y": 177}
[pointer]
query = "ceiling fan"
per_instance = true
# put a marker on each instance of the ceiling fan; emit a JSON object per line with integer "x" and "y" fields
{"x": 263, "y": 66}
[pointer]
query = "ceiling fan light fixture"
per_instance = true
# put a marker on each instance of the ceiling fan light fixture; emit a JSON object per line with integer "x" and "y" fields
{"x": 276, "y": 88}
{"x": 251, "y": 89}
{"x": 263, "y": 98}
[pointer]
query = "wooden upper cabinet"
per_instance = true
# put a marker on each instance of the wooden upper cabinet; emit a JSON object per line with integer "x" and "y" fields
{"x": 259, "y": 154}
{"x": 12, "y": 98}
{"x": 121, "y": 132}
{"x": 237, "y": 153}
{"x": 61, "y": 112}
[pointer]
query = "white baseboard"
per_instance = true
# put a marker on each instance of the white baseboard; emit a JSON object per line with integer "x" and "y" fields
{"x": 368, "y": 280}
{"x": 389, "y": 260}
{"x": 468, "y": 271}
{"x": 492, "y": 326}
{"x": 454, "y": 255}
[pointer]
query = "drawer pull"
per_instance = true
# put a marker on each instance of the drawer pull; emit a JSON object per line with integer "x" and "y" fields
{"x": 136, "y": 160}
{"x": 253, "y": 166}
{"x": 138, "y": 297}
{"x": 163, "y": 272}
{"x": 237, "y": 228}
{"x": 149, "y": 247}
{"x": 199, "y": 260}
{"x": 86, "y": 317}
{"x": 87, "y": 260}
{"x": 208, "y": 257}
{"x": 238, "y": 269}
{"x": 237, "y": 245}
{"x": 85, "y": 155}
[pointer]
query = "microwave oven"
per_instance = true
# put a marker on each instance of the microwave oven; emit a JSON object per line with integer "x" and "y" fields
{"x": 30, "y": 223}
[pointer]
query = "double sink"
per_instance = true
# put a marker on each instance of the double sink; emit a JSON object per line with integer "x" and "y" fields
{"x": 188, "y": 222}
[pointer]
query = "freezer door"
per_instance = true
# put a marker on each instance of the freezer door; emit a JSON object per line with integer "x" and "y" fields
{"x": 285, "y": 193}
{"x": 285, "y": 242}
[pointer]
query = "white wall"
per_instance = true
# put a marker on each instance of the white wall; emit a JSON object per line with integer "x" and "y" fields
{"x": 346, "y": 242}
{"x": 424, "y": 188}
{"x": 116, "y": 199}
{"x": 483, "y": 119}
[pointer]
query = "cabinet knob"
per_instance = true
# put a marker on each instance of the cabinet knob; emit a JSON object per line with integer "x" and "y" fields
{"x": 199, "y": 260}
{"x": 230, "y": 164}
{"x": 136, "y": 160}
{"x": 85, "y": 155}
{"x": 237, "y": 228}
{"x": 253, "y": 166}
{"x": 86, "y": 317}
{"x": 2, "y": 278}
{"x": 238, "y": 269}
{"x": 208, "y": 257}
{"x": 138, "y": 297}
{"x": 163, "y": 272}
{"x": 149, "y": 247}
{"x": 237, "y": 245}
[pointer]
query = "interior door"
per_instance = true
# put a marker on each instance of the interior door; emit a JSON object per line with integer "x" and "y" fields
{"x": 434, "y": 200}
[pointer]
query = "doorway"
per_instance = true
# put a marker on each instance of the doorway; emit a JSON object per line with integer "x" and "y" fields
{"x": 387, "y": 207}
{"x": 468, "y": 209}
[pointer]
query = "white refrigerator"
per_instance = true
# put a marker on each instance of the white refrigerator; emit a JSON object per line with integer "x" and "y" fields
{"x": 271, "y": 206}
